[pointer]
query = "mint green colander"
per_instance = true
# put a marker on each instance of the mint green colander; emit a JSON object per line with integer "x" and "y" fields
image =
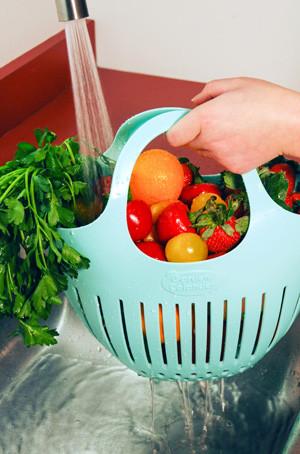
{"x": 218, "y": 317}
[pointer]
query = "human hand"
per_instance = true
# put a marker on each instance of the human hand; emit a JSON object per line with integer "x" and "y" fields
{"x": 241, "y": 123}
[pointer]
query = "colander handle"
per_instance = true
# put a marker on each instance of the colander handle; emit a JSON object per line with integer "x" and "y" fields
{"x": 135, "y": 135}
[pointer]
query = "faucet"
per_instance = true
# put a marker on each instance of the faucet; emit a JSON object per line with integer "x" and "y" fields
{"x": 68, "y": 10}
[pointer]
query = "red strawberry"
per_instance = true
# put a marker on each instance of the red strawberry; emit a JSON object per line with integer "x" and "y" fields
{"x": 239, "y": 203}
{"x": 294, "y": 200}
{"x": 289, "y": 200}
{"x": 289, "y": 174}
{"x": 218, "y": 227}
{"x": 221, "y": 238}
{"x": 188, "y": 175}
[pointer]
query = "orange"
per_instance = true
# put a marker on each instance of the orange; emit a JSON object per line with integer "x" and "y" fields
{"x": 158, "y": 208}
{"x": 200, "y": 201}
{"x": 157, "y": 175}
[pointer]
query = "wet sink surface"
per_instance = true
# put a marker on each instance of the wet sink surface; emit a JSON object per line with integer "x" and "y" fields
{"x": 76, "y": 398}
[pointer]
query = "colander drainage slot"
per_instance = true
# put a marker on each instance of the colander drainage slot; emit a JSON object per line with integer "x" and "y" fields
{"x": 260, "y": 323}
{"x": 208, "y": 332}
{"x": 279, "y": 316}
{"x": 162, "y": 333}
{"x": 243, "y": 314}
{"x": 143, "y": 323}
{"x": 177, "y": 317}
{"x": 224, "y": 331}
{"x": 104, "y": 325}
{"x": 82, "y": 310}
{"x": 125, "y": 329}
{"x": 193, "y": 335}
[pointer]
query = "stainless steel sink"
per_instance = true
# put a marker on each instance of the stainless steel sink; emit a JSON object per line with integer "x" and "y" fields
{"x": 76, "y": 398}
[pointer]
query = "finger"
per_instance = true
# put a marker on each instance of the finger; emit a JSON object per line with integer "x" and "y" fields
{"x": 204, "y": 153}
{"x": 215, "y": 88}
{"x": 186, "y": 129}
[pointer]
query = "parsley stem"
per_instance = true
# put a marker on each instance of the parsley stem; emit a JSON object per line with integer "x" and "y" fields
{"x": 10, "y": 187}
{"x": 70, "y": 152}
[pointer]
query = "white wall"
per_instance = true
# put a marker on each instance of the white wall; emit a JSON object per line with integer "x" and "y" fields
{"x": 189, "y": 39}
{"x": 24, "y": 24}
{"x": 201, "y": 39}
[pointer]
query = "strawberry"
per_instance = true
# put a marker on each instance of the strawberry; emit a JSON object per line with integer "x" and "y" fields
{"x": 190, "y": 171}
{"x": 188, "y": 175}
{"x": 219, "y": 227}
{"x": 232, "y": 183}
{"x": 239, "y": 202}
{"x": 294, "y": 200}
{"x": 289, "y": 200}
{"x": 288, "y": 172}
{"x": 222, "y": 238}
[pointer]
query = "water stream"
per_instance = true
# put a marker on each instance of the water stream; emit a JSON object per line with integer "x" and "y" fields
{"x": 93, "y": 123}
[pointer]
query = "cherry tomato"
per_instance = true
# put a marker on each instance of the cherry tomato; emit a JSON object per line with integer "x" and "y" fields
{"x": 188, "y": 175}
{"x": 139, "y": 219}
{"x": 289, "y": 174}
{"x": 158, "y": 208}
{"x": 217, "y": 254}
{"x": 191, "y": 191}
{"x": 200, "y": 201}
{"x": 153, "y": 249}
{"x": 172, "y": 221}
{"x": 186, "y": 247}
{"x": 152, "y": 235}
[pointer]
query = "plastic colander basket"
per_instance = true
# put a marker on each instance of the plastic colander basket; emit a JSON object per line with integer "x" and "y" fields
{"x": 185, "y": 321}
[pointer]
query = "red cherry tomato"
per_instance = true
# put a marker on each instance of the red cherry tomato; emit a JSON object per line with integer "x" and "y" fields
{"x": 217, "y": 254}
{"x": 191, "y": 191}
{"x": 289, "y": 174}
{"x": 173, "y": 221}
{"x": 139, "y": 219}
{"x": 188, "y": 175}
{"x": 153, "y": 249}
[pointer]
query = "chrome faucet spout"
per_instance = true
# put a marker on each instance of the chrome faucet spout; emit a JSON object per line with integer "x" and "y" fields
{"x": 68, "y": 10}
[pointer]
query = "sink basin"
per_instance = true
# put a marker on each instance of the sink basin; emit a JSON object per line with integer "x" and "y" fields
{"x": 76, "y": 398}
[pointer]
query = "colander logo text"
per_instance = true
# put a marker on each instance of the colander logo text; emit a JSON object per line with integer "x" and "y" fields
{"x": 188, "y": 283}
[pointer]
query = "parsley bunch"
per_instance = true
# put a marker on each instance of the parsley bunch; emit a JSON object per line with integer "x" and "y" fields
{"x": 39, "y": 191}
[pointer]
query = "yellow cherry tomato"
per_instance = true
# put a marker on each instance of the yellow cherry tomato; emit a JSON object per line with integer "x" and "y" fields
{"x": 158, "y": 208}
{"x": 200, "y": 201}
{"x": 186, "y": 247}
